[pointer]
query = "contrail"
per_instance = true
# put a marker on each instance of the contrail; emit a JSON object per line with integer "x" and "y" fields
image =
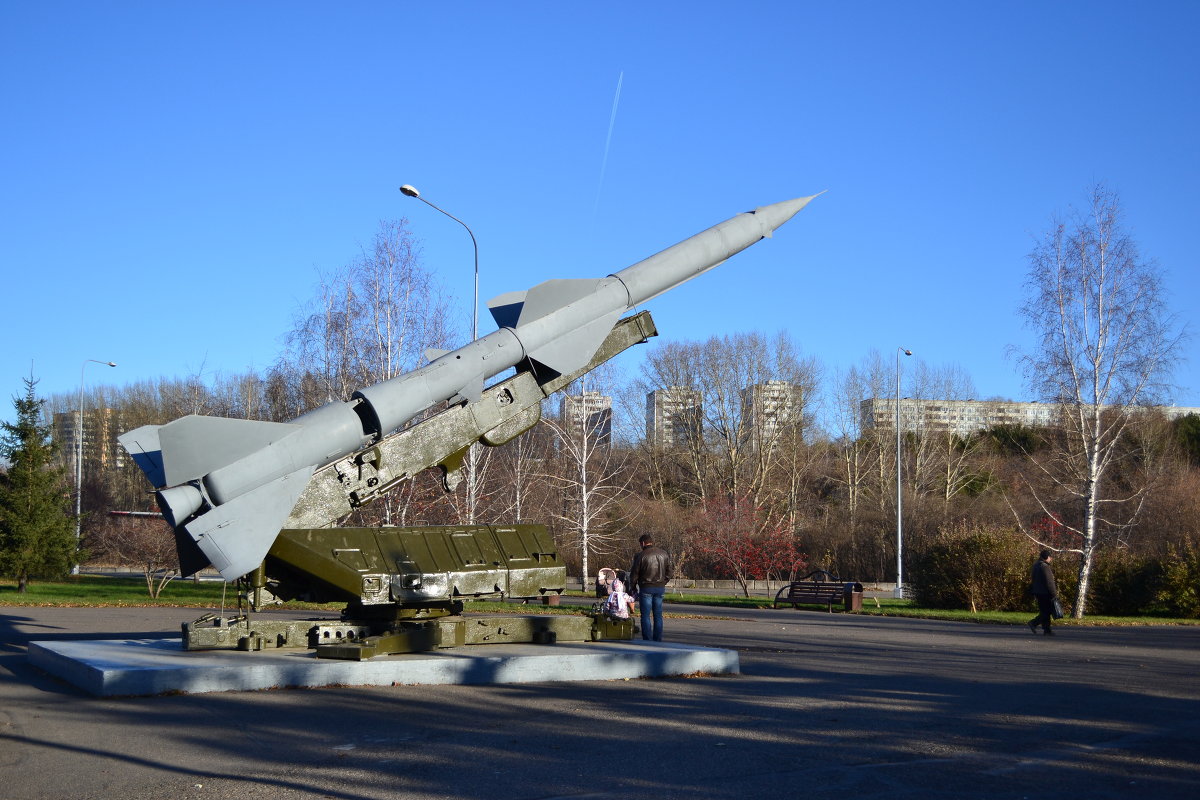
{"x": 612, "y": 121}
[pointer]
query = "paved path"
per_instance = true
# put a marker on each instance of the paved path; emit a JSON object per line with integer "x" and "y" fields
{"x": 839, "y": 706}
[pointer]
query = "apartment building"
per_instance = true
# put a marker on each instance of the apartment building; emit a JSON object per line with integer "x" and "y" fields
{"x": 101, "y": 427}
{"x": 673, "y": 417}
{"x": 773, "y": 411}
{"x": 967, "y": 416}
{"x": 588, "y": 413}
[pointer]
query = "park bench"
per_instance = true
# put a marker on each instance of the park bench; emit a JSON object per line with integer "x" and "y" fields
{"x": 811, "y": 591}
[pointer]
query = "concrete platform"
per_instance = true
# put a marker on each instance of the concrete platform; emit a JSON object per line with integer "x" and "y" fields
{"x": 138, "y": 667}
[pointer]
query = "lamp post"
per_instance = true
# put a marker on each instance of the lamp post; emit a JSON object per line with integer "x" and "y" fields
{"x": 79, "y": 459}
{"x": 411, "y": 191}
{"x": 899, "y": 496}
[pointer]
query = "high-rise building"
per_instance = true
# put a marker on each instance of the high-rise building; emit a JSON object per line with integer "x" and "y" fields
{"x": 590, "y": 414}
{"x": 967, "y": 416}
{"x": 772, "y": 410}
{"x": 100, "y": 429}
{"x": 673, "y": 417}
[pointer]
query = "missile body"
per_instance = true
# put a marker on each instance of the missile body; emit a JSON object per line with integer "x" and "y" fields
{"x": 227, "y": 485}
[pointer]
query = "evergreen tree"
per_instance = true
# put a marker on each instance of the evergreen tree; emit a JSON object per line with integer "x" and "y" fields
{"x": 37, "y": 528}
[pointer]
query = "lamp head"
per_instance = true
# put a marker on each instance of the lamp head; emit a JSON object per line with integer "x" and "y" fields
{"x": 906, "y": 352}
{"x": 110, "y": 363}
{"x": 409, "y": 191}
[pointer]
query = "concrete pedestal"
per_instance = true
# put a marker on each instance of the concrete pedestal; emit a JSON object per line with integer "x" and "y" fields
{"x": 136, "y": 667}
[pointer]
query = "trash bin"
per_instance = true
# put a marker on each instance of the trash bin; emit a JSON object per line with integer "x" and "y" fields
{"x": 852, "y": 597}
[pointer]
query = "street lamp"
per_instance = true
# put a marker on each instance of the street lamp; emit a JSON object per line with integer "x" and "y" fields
{"x": 411, "y": 191}
{"x": 79, "y": 459}
{"x": 899, "y": 496}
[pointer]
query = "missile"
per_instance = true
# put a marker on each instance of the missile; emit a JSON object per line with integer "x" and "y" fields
{"x": 227, "y": 485}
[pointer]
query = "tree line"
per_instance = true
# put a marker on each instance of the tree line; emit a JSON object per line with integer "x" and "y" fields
{"x": 1111, "y": 486}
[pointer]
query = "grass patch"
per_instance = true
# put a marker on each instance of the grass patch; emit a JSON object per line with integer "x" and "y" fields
{"x": 532, "y": 607}
{"x": 905, "y": 608}
{"x": 724, "y": 601}
{"x": 99, "y": 591}
{"x": 95, "y": 590}
{"x": 892, "y": 607}
{"x": 110, "y": 591}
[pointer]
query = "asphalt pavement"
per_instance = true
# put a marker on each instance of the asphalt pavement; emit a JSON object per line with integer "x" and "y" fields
{"x": 827, "y": 705}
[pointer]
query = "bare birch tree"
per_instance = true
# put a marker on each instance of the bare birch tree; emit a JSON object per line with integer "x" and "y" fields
{"x": 856, "y": 458}
{"x": 943, "y": 457}
{"x": 734, "y": 455}
{"x": 675, "y": 366}
{"x": 877, "y": 378}
{"x": 521, "y": 463}
{"x": 1105, "y": 345}
{"x": 371, "y": 320}
{"x": 592, "y": 479}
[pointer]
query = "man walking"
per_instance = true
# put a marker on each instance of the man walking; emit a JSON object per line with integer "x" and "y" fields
{"x": 648, "y": 578}
{"x": 1042, "y": 587}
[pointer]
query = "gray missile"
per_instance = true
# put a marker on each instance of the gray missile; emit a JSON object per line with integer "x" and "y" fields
{"x": 226, "y": 485}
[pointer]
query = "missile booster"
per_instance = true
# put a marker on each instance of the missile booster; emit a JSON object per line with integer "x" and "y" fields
{"x": 226, "y": 485}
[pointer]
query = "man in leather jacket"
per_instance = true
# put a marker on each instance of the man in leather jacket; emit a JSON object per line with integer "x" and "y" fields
{"x": 648, "y": 578}
{"x": 1042, "y": 587}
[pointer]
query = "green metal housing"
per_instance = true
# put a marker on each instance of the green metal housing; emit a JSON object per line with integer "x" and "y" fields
{"x": 413, "y": 567}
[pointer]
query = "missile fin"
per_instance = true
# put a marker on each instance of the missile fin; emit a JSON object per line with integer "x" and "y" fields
{"x": 193, "y": 446}
{"x": 550, "y": 296}
{"x": 514, "y": 309}
{"x": 473, "y": 391}
{"x": 573, "y": 350}
{"x": 143, "y": 447}
{"x": 236, "y": 536}
{"x": 191, "y": 557}
{"x": 506, "y": 308}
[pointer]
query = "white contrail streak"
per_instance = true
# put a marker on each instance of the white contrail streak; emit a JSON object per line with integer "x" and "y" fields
{"x": 612, "y": 122}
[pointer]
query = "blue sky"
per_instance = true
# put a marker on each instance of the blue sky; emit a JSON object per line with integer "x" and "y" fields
{"x": 176, "y": 175}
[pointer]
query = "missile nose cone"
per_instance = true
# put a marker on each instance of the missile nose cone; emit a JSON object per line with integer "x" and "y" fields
{"x": 774, "y": 215}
